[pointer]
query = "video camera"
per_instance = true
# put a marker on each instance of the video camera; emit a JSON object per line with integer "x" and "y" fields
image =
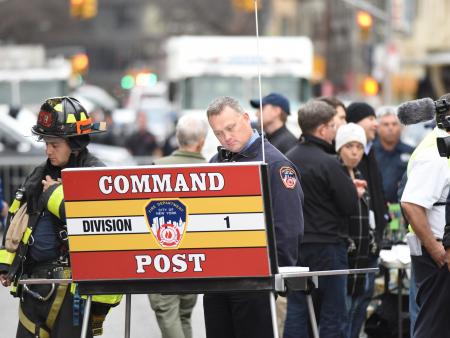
{"x": 426, "y": 109}
{"x": 443, "y": 122}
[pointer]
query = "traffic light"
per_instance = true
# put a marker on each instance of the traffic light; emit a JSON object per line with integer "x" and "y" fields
{"x": 76, "y": 8}
{"x": 138, "y": 78}
{"x": 246, "y": 5}
{"x": 370, "y": 86}
{"x": 146, "y": 79}
{"x": 83, "y": 9}
{"x": 127, "y": 82}
{"x": 365, "y": 23}
{"x": 80, "y": 63}
{"x": 90, "y": 9}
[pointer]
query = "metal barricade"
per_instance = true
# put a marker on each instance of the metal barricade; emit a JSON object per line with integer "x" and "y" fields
{"x": 14, "y": 170}
{"x": 288, "y": 279}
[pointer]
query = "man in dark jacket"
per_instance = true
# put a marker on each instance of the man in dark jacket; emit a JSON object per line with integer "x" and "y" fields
{"x": 339, "y": 106}
{"x": 45, "y": 310}
{"x": 142, "y": 142}
{"x": 391, "y": 153}
{"x": 364, "y": 115}
{"x": 330, "y": 198}
{"x": 248, "y": 314}
{"x": 275, "y": 111}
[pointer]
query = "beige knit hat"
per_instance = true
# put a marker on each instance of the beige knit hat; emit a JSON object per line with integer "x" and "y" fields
{"x": 350, "y": 132}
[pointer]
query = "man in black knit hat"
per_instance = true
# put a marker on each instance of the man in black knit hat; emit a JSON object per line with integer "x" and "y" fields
{"x": 363, "y": 114}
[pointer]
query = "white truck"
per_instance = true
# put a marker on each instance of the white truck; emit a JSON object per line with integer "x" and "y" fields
{"x": 27, "y": 76}
{"x": 201, "y": 68}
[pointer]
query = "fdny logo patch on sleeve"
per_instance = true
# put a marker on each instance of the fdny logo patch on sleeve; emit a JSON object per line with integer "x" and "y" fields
{"x": 288, "y": 176}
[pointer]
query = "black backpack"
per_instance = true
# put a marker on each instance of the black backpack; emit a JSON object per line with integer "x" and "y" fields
{"x": 383, "y": 323}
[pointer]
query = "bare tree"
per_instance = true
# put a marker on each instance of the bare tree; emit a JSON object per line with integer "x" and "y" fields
{"x": 25, "y": 21}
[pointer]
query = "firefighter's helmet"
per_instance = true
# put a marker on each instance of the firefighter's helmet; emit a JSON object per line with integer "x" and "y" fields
{"x": 65, "y": 117}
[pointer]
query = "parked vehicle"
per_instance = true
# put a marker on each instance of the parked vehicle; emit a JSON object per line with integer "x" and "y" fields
{"x": 20, "y": 152}
{"x": 28, "y": 77}
{"x": 201, "y": 68}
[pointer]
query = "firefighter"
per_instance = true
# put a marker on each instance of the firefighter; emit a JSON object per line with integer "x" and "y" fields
{"x": 248, "y": 314}
{"x": 50, "y": 310}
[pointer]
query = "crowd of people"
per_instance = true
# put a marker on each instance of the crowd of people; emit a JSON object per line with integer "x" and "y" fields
{"x": 345, "y": 209}
{"x": 330, "y": 202}
{"x": 345, "y": 212}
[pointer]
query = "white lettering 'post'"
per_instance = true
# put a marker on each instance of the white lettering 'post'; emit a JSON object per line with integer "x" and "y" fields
{"x": 179, "y": 263}
{"x": 141, "y": 261}
{"x": 165, "y": 266}
{"x": 197, "y": 258}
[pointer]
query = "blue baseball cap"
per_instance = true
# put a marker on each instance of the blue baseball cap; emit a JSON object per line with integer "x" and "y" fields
{"x": 275, "y": 100}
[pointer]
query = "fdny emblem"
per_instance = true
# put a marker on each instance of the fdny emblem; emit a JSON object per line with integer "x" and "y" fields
{"x": 45, "y": 119}
{"x": 288, "y": 177}
{"x": 167, "y": 220}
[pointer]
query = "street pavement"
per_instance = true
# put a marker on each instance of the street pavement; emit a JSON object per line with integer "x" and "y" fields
{"x": 143, "y": 321}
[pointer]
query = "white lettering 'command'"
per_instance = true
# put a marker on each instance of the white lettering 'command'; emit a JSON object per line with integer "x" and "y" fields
{"x": 122, "y": 184}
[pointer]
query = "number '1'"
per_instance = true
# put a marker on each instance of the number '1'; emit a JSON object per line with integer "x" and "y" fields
{"x": 227, "y": 220}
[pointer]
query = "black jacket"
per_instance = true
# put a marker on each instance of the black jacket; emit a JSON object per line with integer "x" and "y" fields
{"x": 282, "y": 139}
{"x": 446, "y": 239}
{"x": 37, "y": 199}
{"x": 33, "y": 183}
{"x": 362, "y": 247}
{"x": 369, "y": 169}
{"x": 330, "y": 195}
{"x": 287, "y": 203}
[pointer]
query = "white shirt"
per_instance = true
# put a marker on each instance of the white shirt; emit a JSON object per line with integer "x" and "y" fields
{"x": 368, "y": 147}
{"x": 428, "y": 183}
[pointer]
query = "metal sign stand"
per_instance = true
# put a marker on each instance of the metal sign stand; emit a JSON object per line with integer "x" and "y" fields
{"x": 87, "y": 312}
{"x": 273, "y": 311}
{"x": 292, "y": 280}
{"x": 127, "y": 315}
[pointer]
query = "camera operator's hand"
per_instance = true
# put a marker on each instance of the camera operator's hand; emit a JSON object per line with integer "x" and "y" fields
{"x": 436, "y": 251}
{"x": 417, "y": 217}
{"x": 447, "y": 258}
{"x": 4, "y": 280}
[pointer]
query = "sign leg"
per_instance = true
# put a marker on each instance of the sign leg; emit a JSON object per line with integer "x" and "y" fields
{"x": 127, "y": 315}
{"x": 87, "y": 312}
{"x": 400, "y": 302}
{"x": 312, "y": 316}
{"x": 273, "y": 309}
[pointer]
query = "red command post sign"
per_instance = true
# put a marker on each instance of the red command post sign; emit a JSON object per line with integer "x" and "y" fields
{"x": 167, "y": 223}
